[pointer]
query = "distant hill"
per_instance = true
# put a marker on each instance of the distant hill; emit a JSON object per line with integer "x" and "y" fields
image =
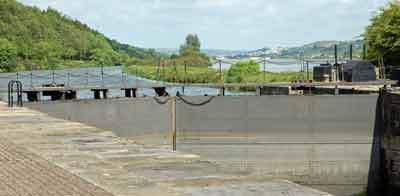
{"x": 323, "y": 49}
{"x": 319, "y": 49}
{"x": 46, "y": 37}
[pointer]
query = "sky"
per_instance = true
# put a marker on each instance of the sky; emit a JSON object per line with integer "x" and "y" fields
{"x": 221, "y": 24}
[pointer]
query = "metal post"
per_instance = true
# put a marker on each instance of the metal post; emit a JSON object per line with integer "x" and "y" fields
{"x": 102, "y": 75}
{"x": 336, "y": 54}
{"x": 184, "y": 78}
{"x": 336, "y": 63}
{"x": 17, "y": 75}
{"x": 136, "y": 75}
{"x": 364, "y": 52}
{"x": 308, "y": 71}
{"x": 176, "y": 71}
{"x": 53, "y": 77}
{"x": 19, "y": 94}
{"x": 173, "y": 117}
{"x": 351, "y": 52}
{"x": 264, "y": 68}
{"x": 221, "y": 79}
{"x": 68, "y": 79}
{"x": 123, "y": 80}
{"x": 10, "y": 94}
{"x": 87, "y": 78}
{"x": 220, "y": 70}
{"x": 162, "y": 71}
{"x": 158, "y": 69}
{"x": 31, "y": 75}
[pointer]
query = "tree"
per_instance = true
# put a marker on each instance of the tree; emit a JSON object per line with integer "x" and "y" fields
{"x": 382, "y": 37}
{"x": 190, "y": 53}
{"x": 239, "y": 71}
{"x": 8, "y": 55}
{"x": 105, "y": 57}
{"x": 47, "y": 54}
{"x": 192, "y": 44}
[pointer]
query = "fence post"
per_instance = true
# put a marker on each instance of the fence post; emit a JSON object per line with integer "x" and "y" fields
{"x": 17, "y": 75}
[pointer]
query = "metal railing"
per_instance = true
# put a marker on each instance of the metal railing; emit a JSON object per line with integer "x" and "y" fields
{"x": 67, "y": 78}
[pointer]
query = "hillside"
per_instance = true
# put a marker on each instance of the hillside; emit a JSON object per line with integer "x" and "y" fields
{"x": 47, "y": 38}
{"x": 323, "y": 49}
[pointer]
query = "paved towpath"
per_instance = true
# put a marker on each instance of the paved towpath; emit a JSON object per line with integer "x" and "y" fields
{"x": 44, "y": 156}
{"x": 24, "y": 173}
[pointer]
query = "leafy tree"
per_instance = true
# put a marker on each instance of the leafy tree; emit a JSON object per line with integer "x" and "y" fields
{"x": 192, "y": 44}
{"x": 382, "y": 37}
{"x": 101, "y": 57}
{"x": 190, "y": 53}
{"x": 47, "y": 54}
{"x": 241, "y": 70}
{"x": 8, "y": 55}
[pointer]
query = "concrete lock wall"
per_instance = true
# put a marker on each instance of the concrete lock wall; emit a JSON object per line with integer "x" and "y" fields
{"x": 142, "y": 118}
{"x": 314, "y": 140}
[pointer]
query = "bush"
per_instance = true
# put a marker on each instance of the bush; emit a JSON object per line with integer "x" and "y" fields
{"x": 242, "y": 70}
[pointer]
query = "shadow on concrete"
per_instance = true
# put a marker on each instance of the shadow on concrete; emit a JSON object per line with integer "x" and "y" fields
{"x": 379, "y": 178}
{"x": 376, "y": 170}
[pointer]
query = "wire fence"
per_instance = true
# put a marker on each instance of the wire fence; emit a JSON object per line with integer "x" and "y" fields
{"x": 111, "y": 76}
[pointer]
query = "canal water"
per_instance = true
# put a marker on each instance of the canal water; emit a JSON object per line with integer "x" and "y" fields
{"x": 97, "y": 76}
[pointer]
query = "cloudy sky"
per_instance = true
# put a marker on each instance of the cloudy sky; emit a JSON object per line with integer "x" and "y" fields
{"x": 223, "y": 24}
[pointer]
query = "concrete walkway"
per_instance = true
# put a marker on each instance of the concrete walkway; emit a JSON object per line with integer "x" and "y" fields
{"x": 24, "y": 173}
{"x": 41, "y": 155}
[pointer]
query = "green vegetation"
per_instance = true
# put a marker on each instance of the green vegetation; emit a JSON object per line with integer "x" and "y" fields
{"x": 242, "y": 71}
{"x": 8, "y": 55}
{"x": 176, "y": 73}
{"x": 201, "y": 74}
{"x": 383, "y": 35}
{"x": 47, "y": 39}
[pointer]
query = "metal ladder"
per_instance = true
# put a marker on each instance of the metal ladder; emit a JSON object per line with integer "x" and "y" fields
{"x": 11, "y": 85}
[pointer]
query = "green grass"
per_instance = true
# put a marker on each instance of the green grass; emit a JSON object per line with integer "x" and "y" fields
{"x": 203, "y": 74}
